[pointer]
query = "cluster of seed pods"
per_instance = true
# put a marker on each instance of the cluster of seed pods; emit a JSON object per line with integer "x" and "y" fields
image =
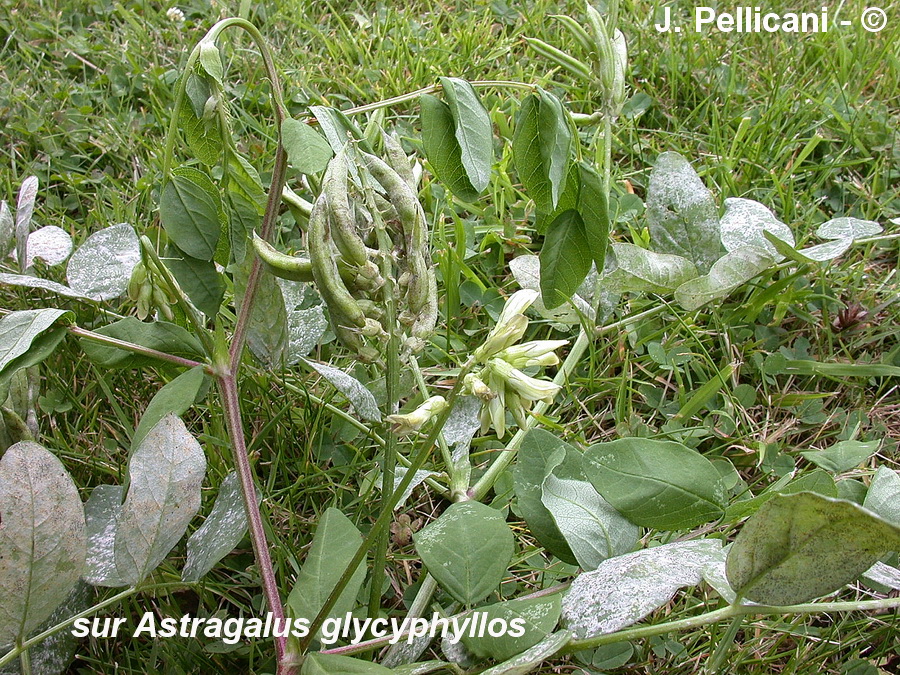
{"x": 360, "y": 194}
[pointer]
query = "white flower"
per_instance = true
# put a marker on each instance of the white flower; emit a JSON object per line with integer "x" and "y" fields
{"x": 500, "y": 384}
{"x": 413, "y": 421}
{"x": 175, "y": 15}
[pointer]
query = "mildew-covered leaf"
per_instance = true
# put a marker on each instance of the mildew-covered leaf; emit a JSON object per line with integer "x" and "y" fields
{"x": 681, "y": 213}
{"x": 27, "y": 281}
{"x": 799, "y": 547}
{"x": 222, "y": 530}
{"x": 100, "y": 513}
{"x": 729, "y": 272}
{"x": 744, "y": 223}
{"x": 24, "y": 211}
{"x": 166, "y": 472}
{"x": 660, "y": 484}
{"x": 27, "y": 337}
{"x": 883, "y": 496}
{"x": 638, "y": 269}
{"x": 527, "y": 271}
{"x": 7, "y": 229}
{"x": 467, "y": 550}
{"x": 42, "y": 538}
{"x": 305, "y": 325}
{"x": 461, "y": 425}
{"x": 50, "y": 244}
{"x": 102, "y": 265}
{"x": 593, "y": 529}
{"x": 538, "y": 616}
{"x": 528, "y": 660}
{"x": 882, "y": 575}
{"x": 360, "y": 398}
{"x": 848, "y": 228}
{"x": 624, "y": 590}
{"x": 128, "y": 540}
{"x": 420, "y": 477}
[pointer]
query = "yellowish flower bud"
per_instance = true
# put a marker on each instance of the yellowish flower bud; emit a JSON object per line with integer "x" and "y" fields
{"x": 529, "y": 388}
{"x": 413, "y": 421}
{"x": 533, "y": 353}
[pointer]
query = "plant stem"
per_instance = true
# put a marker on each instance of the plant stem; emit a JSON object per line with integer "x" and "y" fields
{"x": 24, "y": 661}
{"x": 229, "y": 394}
{"x": 725, "y": 613}
{"x": 418, "y": 460}
{"x": 135, "y": 348}
{"x": 62, "y": 625}
{"x": 392, "y": 395}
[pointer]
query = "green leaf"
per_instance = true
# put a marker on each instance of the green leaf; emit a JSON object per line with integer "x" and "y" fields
{"x": 333, "y": 546}
{"x": 565, "y": 259}
{"x": 624, "y": 590}
{"x": 199, "y": 280}
{"x": 127, "y": 541}
{"x": 102, "y": 265}
{"x": 338, "y": 128}
{"x": 223, "y": 529}
{"x": 527, "y": 271}
{"x": 526, "y": 148}
{"x": 472, "y": 130}
{"x": 360, "y": 398}
{"x": 189, "y": 212}
{"x": 593, "y": 529}
{"x": 817, "y": 481}
{"x": 555, "y": 138}
{"x": 883, "y": 496}
{"x": 42, "y": 538}
{"x": 658, "y": 484}
{"x": 442, "y": 149}
{"x": 640, "y": 270}
{"x": 528, "y": 660}
{"x": 203, "y": 136}
{"x": 159, "y": 335}
{"x": 593, "y": 205}
{"x": 843, "y": 455}
{"x": 307, "y": 150}
{"x": 681, "y": 213}
{"x": 729, "y": 272}
{"x": 175, "y": 398}
{"x": 335, "y": 664}
{"x": 538, "y": 616}
{"x": 211, "y": 60}
{"x": 467, "y": 550}
{"x": 799, "y": 547}
{"x": 27, "y": 337}
{"x": 536, "y": 451}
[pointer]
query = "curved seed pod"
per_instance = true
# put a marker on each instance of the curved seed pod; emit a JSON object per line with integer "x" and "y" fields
{"x": 343, "y": 223}
{"x": 417, "y": 290}
{"x": 145, "y": 297}
{"x": 386, "y": 209}
{"x": 371, "y": 309}
{"x": 138, "y": 278}
{"x": 325, "y": 268}
{"x": 397, "y": 158}
{"x": 423, "y": 327}
{"x": 403, "y": 199}
{"x": 282, "y": 265}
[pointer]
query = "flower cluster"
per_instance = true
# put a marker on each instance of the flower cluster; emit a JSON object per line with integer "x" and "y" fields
{"x": 500, "y": 384}
{"x": 175, "y": 15}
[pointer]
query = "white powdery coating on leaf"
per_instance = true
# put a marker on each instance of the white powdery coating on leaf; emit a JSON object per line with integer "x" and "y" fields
{"x": 100, "y": 514}
{"x": 360, "y": 398}
{"x": 527, "y": 271}
{"x": 102, "y": 265}
{"x": 43, "y": 284}
{"x": 848, "y": 228}
{"x": 884, "y": 575}
{"x": 420, "y": 476}
{"x": 744, "y": 222}
{"x": 305, "y": 326}
{"x": 623, "y": 590}
{"x": 50, "y": 244}
{"x": 461, "y": 425}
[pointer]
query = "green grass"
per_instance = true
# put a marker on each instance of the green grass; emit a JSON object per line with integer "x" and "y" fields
{"x": 85, "y": 97}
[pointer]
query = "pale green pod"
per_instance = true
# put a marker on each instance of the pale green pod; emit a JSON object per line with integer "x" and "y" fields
{"x": 342, "y": 220}
{"x": 397, "y": 159}
{"x": 282, "y": 265}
